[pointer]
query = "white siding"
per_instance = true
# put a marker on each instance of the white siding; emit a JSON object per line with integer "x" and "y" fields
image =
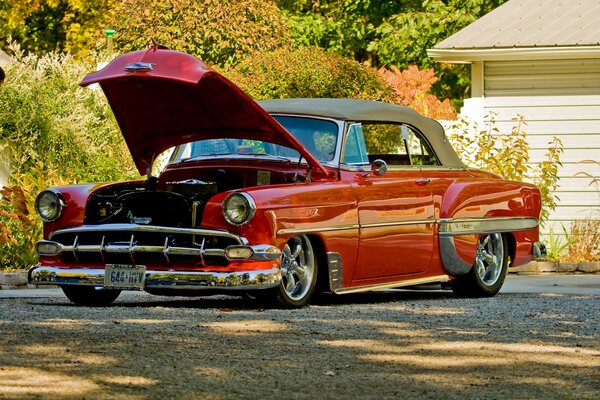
{"x": 557, "y": 98}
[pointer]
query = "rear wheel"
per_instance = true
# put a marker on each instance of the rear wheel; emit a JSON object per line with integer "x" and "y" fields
{"x": 489, "y": 270}
{"x": 298, "y": 275}
{"x": 90, "y": 295}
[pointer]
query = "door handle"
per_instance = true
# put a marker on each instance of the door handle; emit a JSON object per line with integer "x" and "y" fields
{"x": 423, "y": 181}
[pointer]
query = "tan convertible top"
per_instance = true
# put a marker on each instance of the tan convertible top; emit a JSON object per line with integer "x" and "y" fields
{"x": 369, "y": 111}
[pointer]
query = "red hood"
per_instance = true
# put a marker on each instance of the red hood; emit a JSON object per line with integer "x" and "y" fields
{"x": 163, "y": 98}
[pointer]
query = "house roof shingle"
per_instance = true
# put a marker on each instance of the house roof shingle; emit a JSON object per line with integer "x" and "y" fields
{"x": 531, "y": 23}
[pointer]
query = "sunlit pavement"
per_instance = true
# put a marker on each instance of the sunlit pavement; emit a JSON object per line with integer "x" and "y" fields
{"x": 587, "y": 284}
{"x": 553, "y": 283}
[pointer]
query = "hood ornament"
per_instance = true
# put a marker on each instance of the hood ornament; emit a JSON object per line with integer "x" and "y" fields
{"x": 139, "y": 67}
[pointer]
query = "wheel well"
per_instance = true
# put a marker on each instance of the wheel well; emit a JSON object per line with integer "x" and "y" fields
{"x": 322, "y": 268}
{"x": 511, "y": 244}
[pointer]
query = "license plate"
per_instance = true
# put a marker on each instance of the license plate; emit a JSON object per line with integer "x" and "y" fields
{"x": 124, "y": 277}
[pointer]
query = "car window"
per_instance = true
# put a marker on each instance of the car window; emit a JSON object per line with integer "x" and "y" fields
{"x": 355, "y": 150}
{"x": 318, "y": 136}
{"x": 396, "y": 144}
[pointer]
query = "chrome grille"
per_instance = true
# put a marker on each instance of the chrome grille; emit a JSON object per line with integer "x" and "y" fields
{"x": 141, "y": 244}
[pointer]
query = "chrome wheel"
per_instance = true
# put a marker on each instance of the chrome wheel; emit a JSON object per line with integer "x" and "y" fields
{"x": 489, "y": 269}
{"x": 298, "y": 269}
{"x": 489, "y": 261}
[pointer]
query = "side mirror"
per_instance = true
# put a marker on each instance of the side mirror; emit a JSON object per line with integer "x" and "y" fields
{"x": 379, "y": 167}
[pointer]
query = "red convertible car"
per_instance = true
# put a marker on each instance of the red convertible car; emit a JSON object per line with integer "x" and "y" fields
{"x": 280, "y": 199}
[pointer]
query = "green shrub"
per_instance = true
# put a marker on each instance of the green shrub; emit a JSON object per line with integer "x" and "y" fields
{"x": 307, "y": 72}
{"x": 45, "y": 115}
{"x": 56, "y": 132}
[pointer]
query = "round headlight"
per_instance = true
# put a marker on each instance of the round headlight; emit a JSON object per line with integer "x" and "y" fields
{"x": 49, "y": 205}
{"x": 238, "y": 208}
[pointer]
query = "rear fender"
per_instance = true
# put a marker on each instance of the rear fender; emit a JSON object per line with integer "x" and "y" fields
{"x": 472, "y": 209}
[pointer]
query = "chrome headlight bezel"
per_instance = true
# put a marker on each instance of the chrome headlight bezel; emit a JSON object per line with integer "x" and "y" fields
{"x": 49, "y": 198}
{"x": 238, "y": 208}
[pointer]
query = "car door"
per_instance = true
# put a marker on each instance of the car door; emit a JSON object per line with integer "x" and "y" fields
{"x": 395, "y": 210}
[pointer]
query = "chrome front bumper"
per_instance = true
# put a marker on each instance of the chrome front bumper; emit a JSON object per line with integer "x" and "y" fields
{"x": 184, "y": 280}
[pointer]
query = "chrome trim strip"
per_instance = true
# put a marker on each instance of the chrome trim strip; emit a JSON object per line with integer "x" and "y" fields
{"x": 149, "y": 228}
{"x": 448, "y": 226}
{"x": 391, "y": 285}
{"x": 188, "y": 280}
{"x": 467, "y": 226}
{"x": 291, "y": 231}
{"x": 399, "y": 223}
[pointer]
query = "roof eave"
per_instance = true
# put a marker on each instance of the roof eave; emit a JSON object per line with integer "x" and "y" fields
{"x": 467, "y": 56}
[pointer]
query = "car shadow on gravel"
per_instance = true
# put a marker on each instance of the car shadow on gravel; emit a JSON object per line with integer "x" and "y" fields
{"x": 141, "y": 299}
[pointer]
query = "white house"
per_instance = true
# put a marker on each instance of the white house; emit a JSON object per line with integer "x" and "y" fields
{"x": 540, "y": 59}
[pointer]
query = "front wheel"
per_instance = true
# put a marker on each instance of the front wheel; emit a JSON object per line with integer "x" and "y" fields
{"x": 90, "y": 295}
{"x": 489, "y": 270}
{"x": 298, "y": 275}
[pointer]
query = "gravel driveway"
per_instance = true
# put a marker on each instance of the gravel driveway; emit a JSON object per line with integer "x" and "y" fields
{"x": 379, "y": 345}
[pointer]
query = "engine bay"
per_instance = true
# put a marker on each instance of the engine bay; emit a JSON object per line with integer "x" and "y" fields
{"x": 177, "y": 198}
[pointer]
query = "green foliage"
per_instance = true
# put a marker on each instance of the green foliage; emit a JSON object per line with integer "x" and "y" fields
{"x": 388, "y": 33}
{"x": 42, "y": 26}
{"x": 56, "y": 133}
{"x": 45, "y": 115}
{"x": 557, "y": 246}
{"x": 217, "y": 31}
{"x": 20, "y": 227}
{"x": 307, "y": 72}
{"x": 19, "y": 230}
{"x": 508, "y": 155}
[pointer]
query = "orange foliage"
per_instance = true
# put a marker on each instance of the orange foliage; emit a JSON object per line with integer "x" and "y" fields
{"x": 412, "y": 87}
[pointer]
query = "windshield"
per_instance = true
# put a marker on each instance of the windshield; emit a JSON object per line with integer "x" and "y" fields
{"x": 318, "y": 136}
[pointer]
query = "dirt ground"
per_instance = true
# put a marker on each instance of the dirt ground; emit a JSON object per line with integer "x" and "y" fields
{"x": 380, "y": 345}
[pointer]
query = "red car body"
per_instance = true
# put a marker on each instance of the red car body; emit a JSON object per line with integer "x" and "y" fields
{"x": 316, "y": 214}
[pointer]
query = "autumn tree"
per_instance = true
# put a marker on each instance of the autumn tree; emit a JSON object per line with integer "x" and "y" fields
{"x": 41, "y": 26}
{"x": 385, "y": 33}
{"x": 307, "y": 72}
{"x": 219, "y": 32}
{"x": 412, "y": 88}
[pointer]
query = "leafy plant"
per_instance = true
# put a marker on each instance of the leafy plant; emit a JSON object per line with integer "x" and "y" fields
{"x": 20, "y": 227}
{"x": 307, "y": 72}
{"x": 508, "y": 155}
{"x": 45, "y": 115}
{"x": 584, "y": 240}
{"x": 557, "y": 246}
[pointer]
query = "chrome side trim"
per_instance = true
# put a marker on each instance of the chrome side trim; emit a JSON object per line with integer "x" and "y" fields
{"x": 188, "y": 280}
{"x": 469, "y": 226}
{"x": 292, "y": 231}
{"x": 334, "y": 265}
{"x": 391, "y": 285}
{"x": 453, "y": 263}
{"x": 149, "y": 228}
{"x": 448, "y": 226}
{"x": 399, "y": 223}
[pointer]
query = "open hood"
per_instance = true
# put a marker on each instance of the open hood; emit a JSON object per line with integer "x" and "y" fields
{"x": 162, "y": 98}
